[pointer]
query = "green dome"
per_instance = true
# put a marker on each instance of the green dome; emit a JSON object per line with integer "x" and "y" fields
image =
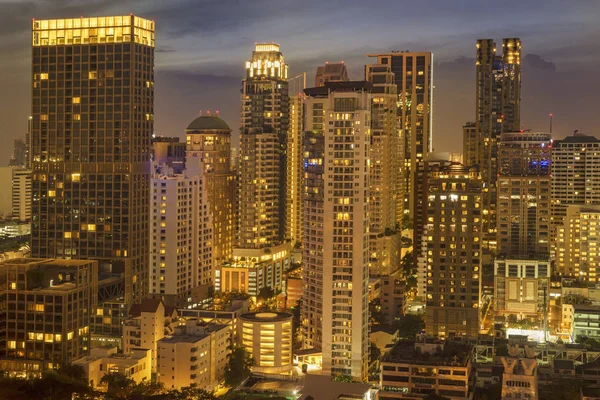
{"x": 207, "y": 122}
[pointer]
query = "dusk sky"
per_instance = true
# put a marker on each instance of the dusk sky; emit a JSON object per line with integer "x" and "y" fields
{"x": 202, "y": 46}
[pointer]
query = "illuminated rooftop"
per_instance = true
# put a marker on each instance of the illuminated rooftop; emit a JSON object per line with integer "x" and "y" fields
{"x": 73, "y": 31}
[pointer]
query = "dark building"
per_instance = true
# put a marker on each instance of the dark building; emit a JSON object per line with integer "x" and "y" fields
{"x": 92, "y": 123}
{"x": 169, "y": 151}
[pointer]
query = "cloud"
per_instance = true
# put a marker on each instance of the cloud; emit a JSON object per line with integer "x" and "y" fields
{"x": 537, "y": 62}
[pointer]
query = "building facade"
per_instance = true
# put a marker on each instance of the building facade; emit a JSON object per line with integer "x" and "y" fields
{"x": 195, "y": 355}
{"x": 336, "y": 215}
{"x": 413, "y": 76}
{"x": 21, "y": 194}
{"x": 93, "y": 112}
{"x": 294, "y": 168}
{"x": 497, "y": 110}
{"x": 169, "y": 151}
{"x": 577, "y": 250}
{"x": 454, "y": 231}
{"x": 268, "y": 337}
{"x": 208, "y": 153}
{"x": 18, "y": 157}
{"x": 46, "y": 306}
{"x": 523, "y": 205}
{"x": 331, "y": 72}
{"x": 263, "y": 130}
{"x": 181, "y": 239}
{"x": 386, "y": 168}
{"x": 575, "y": 176}
{"x": 521, "y": 287}
{"x": 134, "y": 365}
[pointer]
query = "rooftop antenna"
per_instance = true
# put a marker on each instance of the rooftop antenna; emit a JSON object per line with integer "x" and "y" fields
{"x": 200, "y": 112}
{"x": 550, "y": 122}
{"x": 208, "y": 112}
{"x": 217, "y": 113}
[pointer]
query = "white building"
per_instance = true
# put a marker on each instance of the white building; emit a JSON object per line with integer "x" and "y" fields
{"x": 148, "y": 322}
{"x": 15, "y": 203}
{"x": 180, "y": 238}
{"x": 195, "y": 355}
{"x": 336, "y": 228}
{"x": 134, "y": 364}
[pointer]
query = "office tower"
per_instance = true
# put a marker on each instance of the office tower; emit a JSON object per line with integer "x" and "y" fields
{"x": 386, "y": 165}
{"x": 471, "y": 143}
{"x": 333, "y": 72}
{"x": 497, "y": 110}
{"x": 19, "y": 152}
{"x": 575, "y": 176}
{"x": 336, "y": 229}
{"x": 181, "y": 239}
{"x": 21, "y": 194}
{"x": 413, "y": 75}
{"x": 264, "y": 126}
{"x": 453, "y": 250}
{"x": 208, "y": 155}
{"x": 169, "y": 151}
{"x": 577, "y": 250}
{"x": 43, "y": 326}
{"x": 523, "y": 205}
{"x": 294, "y": 178}
{"x": 93, "y": 111}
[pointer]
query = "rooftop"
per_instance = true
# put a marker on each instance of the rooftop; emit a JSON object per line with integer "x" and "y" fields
{"x": 266, "y": 317}
{"x": 208, "y": 123}
{"x": 446, "y": 353}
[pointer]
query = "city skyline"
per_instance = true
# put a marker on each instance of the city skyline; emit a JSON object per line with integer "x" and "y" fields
{"x": 197, "y": 74}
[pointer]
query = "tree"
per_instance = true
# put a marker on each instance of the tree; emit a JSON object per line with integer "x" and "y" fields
{"x": 561, "y": 388}
{"x": 239, "y": 366}
{"x": 119, "y": 387}
{"x": 407, "y": 263}
{"x": 375, "y": 311}
{"x": 190, "y": 393}
{"x": 435, "y": 396}
{"x": 409, "y": 326}
{"x": 342, "y": 378}
{"x": 73, "y": 371}
{"x": 265, "y": 293}
{"x": 374, "y": 352}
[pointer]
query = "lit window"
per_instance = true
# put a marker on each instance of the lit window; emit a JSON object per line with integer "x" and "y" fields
{"x": 43, "y": 77}
{"x": 76, "y": 117}
{"x": 76, "y": 100}
{"x": 67, "y": 235}
{"x": 39, "y": 307}
{"x": 75, "y": 177}
{"x": 12, "y": 344}
{"x": 93, "y": 75}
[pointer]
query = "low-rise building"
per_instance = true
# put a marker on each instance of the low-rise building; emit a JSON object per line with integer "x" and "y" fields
{"x": 393, "y": 297}
{"x": 520, "y": 377}
{"x": 253, "y": 269}
{"x": 45, "y": 309}
{"x": 269, "y": 338}
{"x": 148, "y": 322}
{"x": 195, "y": 355}
{"x": 134, "y": 365}
{"x": 586, "y": 321}
{"x": 414, "y": 370}
{"x": 294, "y": 287}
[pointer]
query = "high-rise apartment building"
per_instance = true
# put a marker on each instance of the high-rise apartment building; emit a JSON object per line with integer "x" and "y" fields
{"x": 181, "y": 237}
{"x": 45, "y": 307}
{"x": 413, "y": 76}
{"x": 93, "y": 111}
{"x": 331, "y": 72}
{"x": 336, "y": 229}
{"x": 523, "y": 205}
{"x": 453, "y": 230}
{"x": 263, "y": 132}
{"x": 208, "y": 155}
{"x": 575, "y": 176}
{"x": 294, "y": 168}
{"x": 497, "y": 110}
{"x": 577, "y": 248}
{"x": 18, "y": 158}
{"x": 28, "y": 142}
{"x": 386, "y": 166}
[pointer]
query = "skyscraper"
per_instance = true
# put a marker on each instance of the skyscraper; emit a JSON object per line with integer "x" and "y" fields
{"x": 575, "y": 176}
{"x": 294, "y": 168}
{"x": 263, "y": 132}
{"x": 331, "y": 72}
{"x": 471, "y": 144}
{"x": 413, "y": 75}
{"x": 453, "y": 249}
{"x": 93, "y": 111}
{"x": 523, "y": 205}
{"x": 497, "y": 110}
{"x": 386, "y": 165}
{"x": 208, "y": 156}
{"x": 336, "y": 229}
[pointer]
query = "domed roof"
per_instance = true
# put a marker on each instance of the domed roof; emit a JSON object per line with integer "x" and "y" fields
{"x": 208, "y": 122}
